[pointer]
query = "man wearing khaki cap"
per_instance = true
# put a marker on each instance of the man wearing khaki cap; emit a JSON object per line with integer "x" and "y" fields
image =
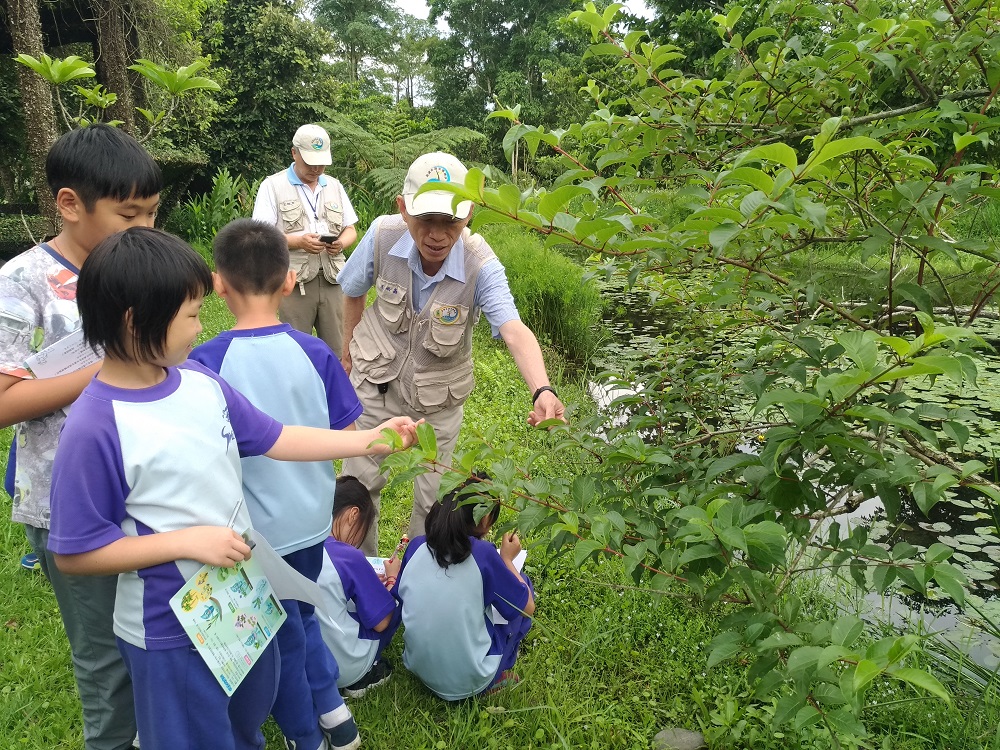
{"x": 317, "y": 217}
{"x": 411, "y": 351}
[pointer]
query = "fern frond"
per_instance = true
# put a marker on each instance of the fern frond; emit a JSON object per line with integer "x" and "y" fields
{"x": 350, "y": 143}
{"x": 384, "y": 181}
{"x": 466, "y": 144}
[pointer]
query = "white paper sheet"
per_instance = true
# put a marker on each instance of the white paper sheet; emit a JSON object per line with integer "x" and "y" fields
{"x": 69, "y": 354}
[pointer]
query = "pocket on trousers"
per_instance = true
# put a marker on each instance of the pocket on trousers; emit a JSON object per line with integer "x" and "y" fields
{"x": 437, "y": 390}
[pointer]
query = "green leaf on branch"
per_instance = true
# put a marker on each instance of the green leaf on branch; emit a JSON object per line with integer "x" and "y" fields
{"x": 58, "y": 70}
{"x": 776, "y": 152}
{"x": 724, "y": 646}
{"x": 583, "y": 549}
{"x": 952, "y": 581}
{"x": 922, "y": 681}
{"x": 865, "y": 671}
{"x": 836, "y": 149}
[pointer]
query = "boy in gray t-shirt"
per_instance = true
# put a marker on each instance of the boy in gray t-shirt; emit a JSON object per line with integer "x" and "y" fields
{"x": 103, "y": 182}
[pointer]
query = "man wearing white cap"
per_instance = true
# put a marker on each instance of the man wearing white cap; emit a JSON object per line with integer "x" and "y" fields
{"x": 411, "y": 351}
{"x": 317, "y": 217}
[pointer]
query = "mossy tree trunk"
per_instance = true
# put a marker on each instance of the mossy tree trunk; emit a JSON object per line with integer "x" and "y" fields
{"x": 112, "y": 58}
{"x": 39, "y": 114}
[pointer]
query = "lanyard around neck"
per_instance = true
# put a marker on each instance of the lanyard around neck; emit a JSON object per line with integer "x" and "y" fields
{"x": 313, "y": 204}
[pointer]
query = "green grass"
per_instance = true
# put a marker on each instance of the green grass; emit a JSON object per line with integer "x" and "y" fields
{"x": 605, "y": 665}
{"x": 553, "y": 298}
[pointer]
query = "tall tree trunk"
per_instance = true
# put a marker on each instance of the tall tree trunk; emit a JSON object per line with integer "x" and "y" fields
{"x": 112, "y": 59}
{"x": 36, "y": 98}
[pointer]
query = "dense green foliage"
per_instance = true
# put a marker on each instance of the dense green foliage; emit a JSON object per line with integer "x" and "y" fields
{"x": 605, "y": 667}
{"x": 200, "y": 217}
{"x": 555, "y": 300}
{"x": 724, "y": 470}
{"x": 276, "y": 69}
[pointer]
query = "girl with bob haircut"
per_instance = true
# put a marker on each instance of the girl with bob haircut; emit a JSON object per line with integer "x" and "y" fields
{"x": 466, "y": 608}
{"x": 147, "y": 483}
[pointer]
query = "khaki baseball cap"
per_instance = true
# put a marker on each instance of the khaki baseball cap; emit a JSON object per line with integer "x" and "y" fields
{"x": 313, "y": 144}
{"x": 435, "y": 167}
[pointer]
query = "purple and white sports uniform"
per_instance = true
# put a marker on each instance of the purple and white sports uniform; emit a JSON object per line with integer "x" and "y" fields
{"x": 451, "y": 641}
{"x": 150, "y": 460}
{"x": 297, "y": 379}
{"x": 356, "y": 601}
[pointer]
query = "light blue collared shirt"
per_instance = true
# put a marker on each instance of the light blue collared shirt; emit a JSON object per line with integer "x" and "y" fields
{"x": 296, "y": 180}
{"x": 492, "y": 293}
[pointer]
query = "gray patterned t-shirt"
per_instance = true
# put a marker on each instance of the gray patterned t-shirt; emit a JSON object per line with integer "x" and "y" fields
{"x": 37, "y": 309}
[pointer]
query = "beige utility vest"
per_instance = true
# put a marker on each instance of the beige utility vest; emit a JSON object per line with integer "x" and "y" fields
{"x": 292, "y": 218}
{"x": 428, "y": 353}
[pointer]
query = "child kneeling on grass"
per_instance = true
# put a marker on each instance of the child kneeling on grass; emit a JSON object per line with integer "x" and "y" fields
{"x": 147, "y": 483}
{"x": 363, "y": 615}
{"x": 454, "y": 642}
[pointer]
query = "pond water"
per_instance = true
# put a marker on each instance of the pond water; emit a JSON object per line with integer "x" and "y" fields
{"x": 965, "y": 523}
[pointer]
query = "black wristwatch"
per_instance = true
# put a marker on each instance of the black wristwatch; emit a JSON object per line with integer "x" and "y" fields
{"x": 540, "y": 391}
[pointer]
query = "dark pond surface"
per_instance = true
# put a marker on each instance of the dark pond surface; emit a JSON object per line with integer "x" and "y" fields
{"x": 965, "y": 523}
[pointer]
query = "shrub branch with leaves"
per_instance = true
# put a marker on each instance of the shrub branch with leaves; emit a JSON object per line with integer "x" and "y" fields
{"x": 722, "y": 471}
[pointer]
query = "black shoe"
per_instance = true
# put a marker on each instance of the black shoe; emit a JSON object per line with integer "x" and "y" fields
{"x": 379, "y": 674}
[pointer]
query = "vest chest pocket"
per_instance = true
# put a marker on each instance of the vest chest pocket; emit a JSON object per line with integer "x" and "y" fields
{"x": 443, "y": 389}
{"x": 392, "y": 305}
{"x": 371, "y": 352}
{"x": 291, "y": 216}
{"x": 334, "y": 214}
{"x": 447, "y": 333}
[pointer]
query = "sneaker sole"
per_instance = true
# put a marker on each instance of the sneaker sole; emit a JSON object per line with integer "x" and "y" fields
{"x": 360, "y": 692}
{"x": 352, "y": 745}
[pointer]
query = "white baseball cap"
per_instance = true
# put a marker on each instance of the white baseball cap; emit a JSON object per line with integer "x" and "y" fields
{"x": 313, "y": 144}
{"x": 436, "y": 167}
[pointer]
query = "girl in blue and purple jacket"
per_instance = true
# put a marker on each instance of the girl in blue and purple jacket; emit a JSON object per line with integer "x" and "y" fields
{"x": 466, "y": 607}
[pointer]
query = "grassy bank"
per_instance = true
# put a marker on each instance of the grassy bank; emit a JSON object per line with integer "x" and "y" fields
{"x": 605, "y": 666}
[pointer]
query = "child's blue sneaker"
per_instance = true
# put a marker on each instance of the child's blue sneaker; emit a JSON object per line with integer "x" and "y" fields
{"x": 30, "y": 562}
{"x": 344, "y": 736}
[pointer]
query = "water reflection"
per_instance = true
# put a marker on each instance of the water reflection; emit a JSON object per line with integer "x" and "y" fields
{"x": 964, "y": 523}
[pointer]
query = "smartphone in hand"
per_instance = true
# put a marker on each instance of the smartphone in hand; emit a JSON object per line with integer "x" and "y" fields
{"x": 326, "y": 239}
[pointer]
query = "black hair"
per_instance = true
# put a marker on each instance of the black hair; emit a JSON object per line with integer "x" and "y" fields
{"x": 100, "y": 161}
{"x": 145, "y": 273}
{"x": 452, "y": 521}
{"x": 251, "y": 256}
{"x": 352, "y": 493}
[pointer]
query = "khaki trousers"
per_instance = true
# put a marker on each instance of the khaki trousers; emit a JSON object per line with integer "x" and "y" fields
{"x": 316, "y": 304}
{"x": 379, "y": 407}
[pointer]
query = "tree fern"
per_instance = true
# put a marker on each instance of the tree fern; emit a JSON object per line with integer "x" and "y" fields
{"x": 387, "y": 146}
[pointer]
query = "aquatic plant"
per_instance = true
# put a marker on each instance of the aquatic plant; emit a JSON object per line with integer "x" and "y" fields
{"x": 725, "y": 473}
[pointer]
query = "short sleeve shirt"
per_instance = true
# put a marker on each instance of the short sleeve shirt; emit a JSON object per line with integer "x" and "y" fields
{"x": 297, "y": 380}
{"x": 37, "y": 309}
{"x": 492, "y": 293}
{"x": 135, "y": 462}
{"x": 451, "y": 643}
{"x": 265, "y": 210}
{"x": 356, "y": 601}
